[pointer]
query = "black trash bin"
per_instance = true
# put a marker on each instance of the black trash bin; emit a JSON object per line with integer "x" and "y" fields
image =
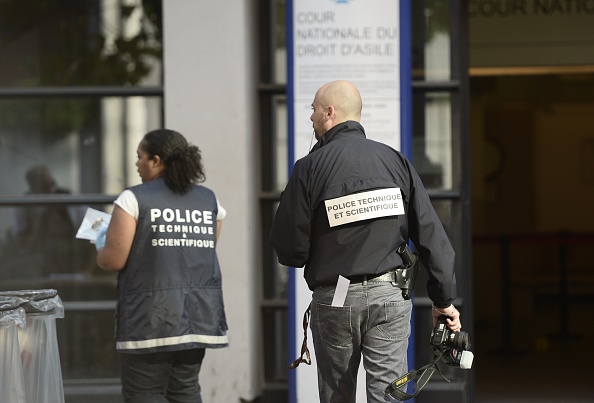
{"x": 38, "y": 342}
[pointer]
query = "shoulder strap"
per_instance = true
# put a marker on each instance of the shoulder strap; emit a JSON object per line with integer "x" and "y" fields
{"x": 422, "y": 375}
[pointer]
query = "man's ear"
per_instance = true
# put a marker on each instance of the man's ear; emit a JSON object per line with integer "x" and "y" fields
{"x": 331, "y": 112}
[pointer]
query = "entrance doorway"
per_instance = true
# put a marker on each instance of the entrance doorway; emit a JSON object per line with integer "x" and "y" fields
{"x": 532, "y": 142}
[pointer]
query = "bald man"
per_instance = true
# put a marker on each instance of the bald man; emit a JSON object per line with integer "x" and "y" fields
{"x": 347, "y": 208}
{"x": 334, "y": 103}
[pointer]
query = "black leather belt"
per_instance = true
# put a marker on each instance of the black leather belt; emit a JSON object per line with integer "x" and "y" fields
{"x": 389, "y": 276}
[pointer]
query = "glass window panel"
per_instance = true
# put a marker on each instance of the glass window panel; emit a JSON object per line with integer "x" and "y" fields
{"x": 432, "y": 139}
{"x": 281, "y": 277}
{"x": 275, "y": 345}
{"x": 280, "y": 143}
{"x": 279, "y": 43}
{"x": 431, "y": 40}
{"x": 275, "y": 283}
{"x": 80, "y": 43}
{"x": 57, "y": 146}
{"x": 86, "y": 344}
{"x": 61, "y": 147}
{"x": 38, "y": 250}
{"x": 450, "y": 214}
{"x": 275, "y": 276}
{"x": 275, "y": 280}
{"x": 274, "y": 143}
{"x": 87, "y": 144}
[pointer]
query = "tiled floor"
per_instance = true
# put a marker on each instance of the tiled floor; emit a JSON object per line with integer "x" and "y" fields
{"x": 541, "y": 366}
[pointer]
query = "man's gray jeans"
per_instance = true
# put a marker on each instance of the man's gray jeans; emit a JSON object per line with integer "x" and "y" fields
{"x": 374, "y": 323}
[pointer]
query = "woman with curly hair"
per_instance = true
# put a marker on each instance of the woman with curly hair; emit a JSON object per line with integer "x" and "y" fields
{"x": 161, "y": 240}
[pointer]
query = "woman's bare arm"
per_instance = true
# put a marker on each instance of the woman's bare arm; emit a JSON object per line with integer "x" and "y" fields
{"x": 118, "y": 242}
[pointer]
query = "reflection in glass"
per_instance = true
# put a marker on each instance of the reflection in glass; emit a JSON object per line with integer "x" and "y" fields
{"x": 88, "y": 144}
{"x": 62, "y": 147}
{"x": 80, "y": 43}
{"x": 38, "y": 249}
{"x": 432, "y": 139}
{"x": 55, "y": 147}
{"x": 431, "y": 40}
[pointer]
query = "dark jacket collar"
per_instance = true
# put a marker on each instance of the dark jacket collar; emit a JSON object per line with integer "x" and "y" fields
{"x": 348, "y": 128}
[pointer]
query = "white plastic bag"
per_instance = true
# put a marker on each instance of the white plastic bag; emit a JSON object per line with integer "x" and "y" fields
{"x": 41, "y": 360}
{"x": 12, "y": 385}
{"x": 38, "y": 342}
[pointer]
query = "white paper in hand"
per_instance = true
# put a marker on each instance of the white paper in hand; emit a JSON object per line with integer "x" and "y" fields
{"x": 92, "y": 224}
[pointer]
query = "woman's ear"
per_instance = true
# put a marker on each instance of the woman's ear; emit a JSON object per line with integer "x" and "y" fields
{"x": 158, "y": 165}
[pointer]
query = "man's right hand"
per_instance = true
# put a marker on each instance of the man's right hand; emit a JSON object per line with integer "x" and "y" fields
{"x": 453, "y": 315}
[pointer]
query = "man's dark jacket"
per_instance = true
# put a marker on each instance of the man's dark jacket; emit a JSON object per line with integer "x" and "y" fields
{"x": 344, "y": 162}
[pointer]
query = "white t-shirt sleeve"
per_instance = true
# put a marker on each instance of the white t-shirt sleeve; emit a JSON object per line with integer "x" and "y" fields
{"x": 222, "y": 212}
{"x": 128, "y": 202}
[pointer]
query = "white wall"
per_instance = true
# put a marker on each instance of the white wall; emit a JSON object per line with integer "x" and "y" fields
{"x": 210, "y": 97}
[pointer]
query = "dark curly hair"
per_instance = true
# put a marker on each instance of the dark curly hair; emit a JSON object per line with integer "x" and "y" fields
{"x": 183, "y": 162}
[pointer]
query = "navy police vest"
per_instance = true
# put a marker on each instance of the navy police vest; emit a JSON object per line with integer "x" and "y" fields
{"x": 170, "y": 295}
